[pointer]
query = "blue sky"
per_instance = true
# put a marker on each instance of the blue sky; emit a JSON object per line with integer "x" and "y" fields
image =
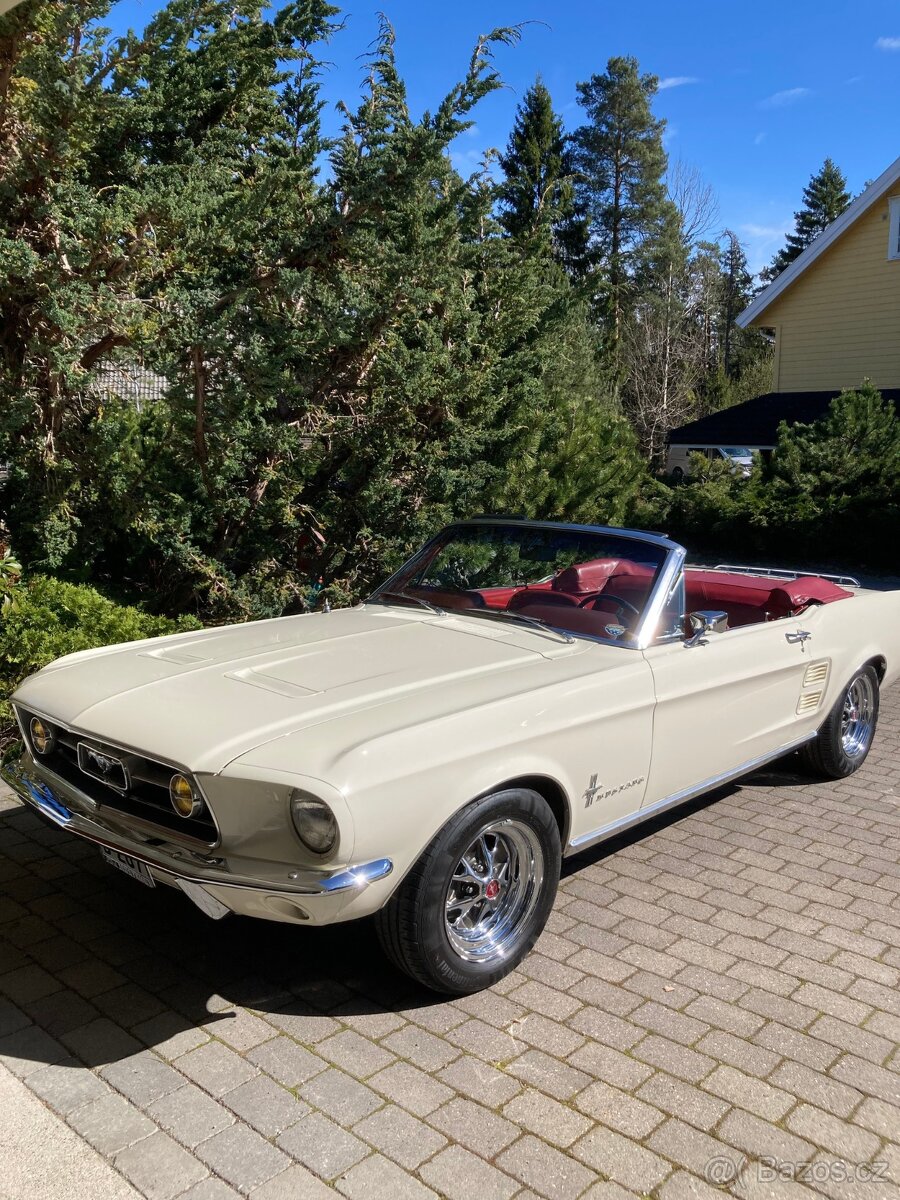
{"x": 756, "y": 95}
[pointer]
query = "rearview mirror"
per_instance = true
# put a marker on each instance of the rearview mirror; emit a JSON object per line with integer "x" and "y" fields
{"x": 702, "y": 622}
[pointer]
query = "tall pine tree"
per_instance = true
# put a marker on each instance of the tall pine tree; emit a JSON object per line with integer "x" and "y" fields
{"x": 621, "y": 160}
{"x": 825, "y": 197}
{"x": 537, "y": 194}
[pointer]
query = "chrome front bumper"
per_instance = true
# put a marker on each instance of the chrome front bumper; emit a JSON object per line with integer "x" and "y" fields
{"x": 299, "y": 896}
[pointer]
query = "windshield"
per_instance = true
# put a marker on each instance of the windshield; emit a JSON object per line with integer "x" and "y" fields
{"x": 737, "y": 451}
{"x": 595, "y": 584}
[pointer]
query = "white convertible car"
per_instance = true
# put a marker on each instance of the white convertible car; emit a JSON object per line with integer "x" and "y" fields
{"x": 516, "y": 692}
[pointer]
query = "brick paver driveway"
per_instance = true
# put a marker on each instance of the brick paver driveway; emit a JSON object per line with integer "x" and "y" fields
{"x": 715, "y": 999}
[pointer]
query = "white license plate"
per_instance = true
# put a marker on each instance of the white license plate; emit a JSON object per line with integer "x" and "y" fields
{"x": 131, "y": 866}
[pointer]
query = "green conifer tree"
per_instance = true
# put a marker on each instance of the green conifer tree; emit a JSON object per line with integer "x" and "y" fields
{"x": 537, "y": 195}
{"x": 825, "y": 197}
{"x": 621, "y": 162}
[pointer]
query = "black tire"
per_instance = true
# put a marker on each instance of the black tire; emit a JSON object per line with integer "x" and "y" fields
{"x": 846, "y": 737}
{"x": 430, "y": 941}
{"x": 678, "y": 475}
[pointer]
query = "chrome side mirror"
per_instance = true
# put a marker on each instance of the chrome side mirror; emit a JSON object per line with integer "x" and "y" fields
{"x": 704, "y": 621}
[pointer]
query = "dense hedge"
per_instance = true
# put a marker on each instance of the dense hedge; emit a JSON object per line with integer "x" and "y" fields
{"x": 828, "y": 496}
{"x": 48, "y": 618}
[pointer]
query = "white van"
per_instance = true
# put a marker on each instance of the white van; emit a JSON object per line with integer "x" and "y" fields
{"x": 678, "y": 462}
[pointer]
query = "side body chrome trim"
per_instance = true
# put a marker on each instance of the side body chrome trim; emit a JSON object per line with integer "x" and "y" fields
{"x": 690, "y": 793}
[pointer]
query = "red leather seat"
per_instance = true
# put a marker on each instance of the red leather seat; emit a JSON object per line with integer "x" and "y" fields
{"x": 749, "y": 599}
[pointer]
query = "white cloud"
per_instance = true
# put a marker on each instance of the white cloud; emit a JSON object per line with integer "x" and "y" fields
{"x": 671, "y": 81}
{"x": 788, "y": 96}
{"x": 760, "y": 138}
{"x": 888, "y": 43}
{"x": 762, "y": 239}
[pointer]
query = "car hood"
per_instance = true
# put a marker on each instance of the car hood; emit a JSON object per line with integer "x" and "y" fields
{"x": 202, "y": 699}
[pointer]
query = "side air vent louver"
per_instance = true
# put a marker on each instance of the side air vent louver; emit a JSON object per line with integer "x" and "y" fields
{"x": 816, "y": 672}
{"x": 809, "y": 702}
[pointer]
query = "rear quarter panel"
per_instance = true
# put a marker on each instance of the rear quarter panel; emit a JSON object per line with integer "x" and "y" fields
{"x": 852, "y": 632}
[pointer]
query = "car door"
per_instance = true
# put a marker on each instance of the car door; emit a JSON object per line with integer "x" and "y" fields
{"x": 729, "y": 700}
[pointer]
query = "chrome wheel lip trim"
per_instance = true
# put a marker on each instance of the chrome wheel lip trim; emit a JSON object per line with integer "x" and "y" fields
{"x": 496, "y": 934}
{"x": 857, "y": 717}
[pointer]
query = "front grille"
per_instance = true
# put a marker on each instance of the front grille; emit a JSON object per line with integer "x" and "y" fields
{"x": 146, "y": 790}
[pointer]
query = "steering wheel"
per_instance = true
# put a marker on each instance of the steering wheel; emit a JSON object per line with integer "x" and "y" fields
{"x": 616, "y": 600}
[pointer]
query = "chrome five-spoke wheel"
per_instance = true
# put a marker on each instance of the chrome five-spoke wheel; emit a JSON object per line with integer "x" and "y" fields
{"x": 493, "y": 891}
{"x": 858, "y": 717}
{"x": 845, "y": 737}
{"x": 478, "y": 897}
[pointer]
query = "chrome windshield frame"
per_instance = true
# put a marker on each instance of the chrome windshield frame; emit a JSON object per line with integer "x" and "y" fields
{"x": 644, "y": 634}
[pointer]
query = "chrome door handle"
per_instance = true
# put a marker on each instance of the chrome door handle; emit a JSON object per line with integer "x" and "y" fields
{"x": 800, "y": 636}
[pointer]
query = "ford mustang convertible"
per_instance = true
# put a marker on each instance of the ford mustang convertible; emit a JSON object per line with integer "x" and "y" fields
{"x": 516, "y": 692}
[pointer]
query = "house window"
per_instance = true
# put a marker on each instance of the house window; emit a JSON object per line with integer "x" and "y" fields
{"x": 894, "y": 244}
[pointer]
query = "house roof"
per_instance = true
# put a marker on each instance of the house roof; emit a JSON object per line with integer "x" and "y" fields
{"x": 755, "y": 422}
{"x": 873, "y": 193}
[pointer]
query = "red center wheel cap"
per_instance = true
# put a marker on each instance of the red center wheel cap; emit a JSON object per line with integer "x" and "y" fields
{"x": 492, "y": 891}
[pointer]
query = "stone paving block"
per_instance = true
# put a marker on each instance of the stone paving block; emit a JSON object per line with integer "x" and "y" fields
{"x": 28, "y": 983}
{"x": 618, "y": 1110}
{"x": 62, "y": 1012}
{"x": 110, "y": 1124}
{"x": 867, "y": 1078}
{"x": 287, "y": 1062}
{"x": 475, "y": 1127}
{"x": 101, "y": 1041}
{"x": 758, "y": 1138}
{"x": 548, "y": 1074}
{"x": 421, "y": 1048}
{"x": 479, "y": 1038}
{"x": 737, "y": 1052}
{"x": 143, "y": 1077}
{"x": 342, "y": 1097}
{"x": 549, "y": 1172}
{"x": 406, "y": 1085}
{"x": 538, "y": 997}
{"x": 215, "y": 1068}
{"x": 241, "y": 1030}
{"x": 159, "y": 1167}
{"x": 457, "y": 1174}
{"x": 322, "y": 1146}
{"x": 480, "y": 1081}
{"x": 610, "y": 1065}
{"x": 402, "y": 1137}
{"x": 376, "y": 1178}
{"x": 355, "y": 1054}
{"x": 676, "y": 1059}
{"x": 210, "y": 1189}
{"x": 607, "y": 1028}
{"x": 621, "y": 1159}
{"x": 189, "y": 1115}
{"x": 810, "y": 1085}
{"x": 242, "y": 1157}
{"x": 167, "y": 1036}
{"x": 28, "y": 1050}
{"x": 846, "y": 1140}
{"x": 682, "y": 1186}
{"x": 66, "y": 1086}
{"x": 799, "y": 1047}
{"x": 266, "y": 1106}
{"x": 547, "y": 1118}
{"x": 296, "y": 1183}
{"x": 686, "y": 1146}
{"x": 680, "y": 1099}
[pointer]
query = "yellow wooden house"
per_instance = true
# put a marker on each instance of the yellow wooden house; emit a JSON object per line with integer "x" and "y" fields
{"x": 835, "y": 311}
{"x": 835, "y": 317}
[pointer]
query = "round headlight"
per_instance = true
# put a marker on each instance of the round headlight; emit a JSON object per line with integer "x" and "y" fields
{"x": 314, "y": 821}
{"x": 182, "y": 797}
{"x": 42, "y": 738}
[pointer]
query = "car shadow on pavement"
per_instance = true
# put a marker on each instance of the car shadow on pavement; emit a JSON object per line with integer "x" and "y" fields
{"x": 101, "y": 968}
